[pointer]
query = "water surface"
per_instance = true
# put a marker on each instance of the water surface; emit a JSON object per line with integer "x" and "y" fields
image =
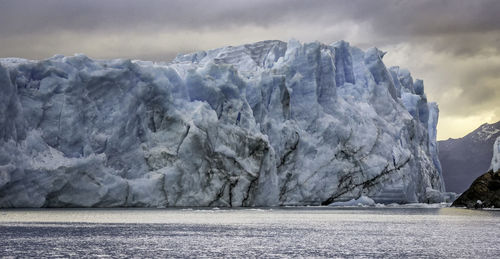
{"x": 283, "y": 232}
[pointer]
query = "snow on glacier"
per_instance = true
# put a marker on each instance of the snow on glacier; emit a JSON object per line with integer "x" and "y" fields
{"x": 263, "y": 124}
{"x": 495, "y": 161}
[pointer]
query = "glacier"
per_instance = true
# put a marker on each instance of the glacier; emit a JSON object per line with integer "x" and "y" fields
{"x": 495, "y": 160}
{"x": 265, "y": 124}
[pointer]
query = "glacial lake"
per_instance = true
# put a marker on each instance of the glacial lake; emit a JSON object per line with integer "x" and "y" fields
{"x": 271, "y": 232}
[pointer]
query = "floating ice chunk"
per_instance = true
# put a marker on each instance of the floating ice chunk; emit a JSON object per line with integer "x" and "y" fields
{"x": 361, "y": 201}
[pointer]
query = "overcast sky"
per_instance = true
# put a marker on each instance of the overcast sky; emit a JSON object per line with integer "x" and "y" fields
{"x": 454, "y": 45}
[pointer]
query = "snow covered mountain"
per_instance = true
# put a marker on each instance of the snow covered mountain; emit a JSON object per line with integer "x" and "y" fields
{"x": 263, "y": 124}
{"x": 465, "y": 159}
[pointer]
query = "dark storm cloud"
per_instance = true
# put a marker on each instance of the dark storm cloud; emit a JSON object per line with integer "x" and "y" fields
{"x": 390, "y": 17}
{"x": 437, "y": 23}
{"x": 389, "y": 20}
{"x": 31, "y": 16}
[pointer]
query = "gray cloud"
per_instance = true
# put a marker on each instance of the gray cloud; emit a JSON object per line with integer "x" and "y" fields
{"x": 389, "y": 17}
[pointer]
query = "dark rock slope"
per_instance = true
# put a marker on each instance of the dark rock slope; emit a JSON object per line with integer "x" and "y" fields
{"x": 483, "y": 193}
{"x": 485, "y": 190}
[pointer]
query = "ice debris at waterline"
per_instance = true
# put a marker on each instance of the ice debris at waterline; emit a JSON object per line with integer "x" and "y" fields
{"x": 361, "y": 201}
{"x": 364, "y": 201}
{"x": 263, "y": 124}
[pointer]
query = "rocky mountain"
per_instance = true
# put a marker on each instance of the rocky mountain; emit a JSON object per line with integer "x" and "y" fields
{"x": 485, "y": 190}
{"x": 263, "y": 124}
{"x": 465, "y": 159}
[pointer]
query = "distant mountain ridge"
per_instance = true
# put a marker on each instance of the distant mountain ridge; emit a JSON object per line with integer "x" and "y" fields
{"x": 465, "y": 159}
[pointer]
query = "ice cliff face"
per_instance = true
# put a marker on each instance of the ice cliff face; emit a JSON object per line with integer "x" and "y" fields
{"x": 264, "y": 124}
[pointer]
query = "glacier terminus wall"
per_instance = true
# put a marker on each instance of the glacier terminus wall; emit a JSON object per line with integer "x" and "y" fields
{"x": 263, "y": 124}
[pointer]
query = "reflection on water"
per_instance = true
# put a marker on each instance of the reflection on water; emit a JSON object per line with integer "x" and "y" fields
{"x": 308, "y": 231}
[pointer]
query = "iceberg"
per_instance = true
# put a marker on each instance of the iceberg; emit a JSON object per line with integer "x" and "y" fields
{"x": 265, "y": 124}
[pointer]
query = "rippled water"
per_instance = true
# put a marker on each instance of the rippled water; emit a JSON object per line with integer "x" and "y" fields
{"x": 284, "y": 232}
